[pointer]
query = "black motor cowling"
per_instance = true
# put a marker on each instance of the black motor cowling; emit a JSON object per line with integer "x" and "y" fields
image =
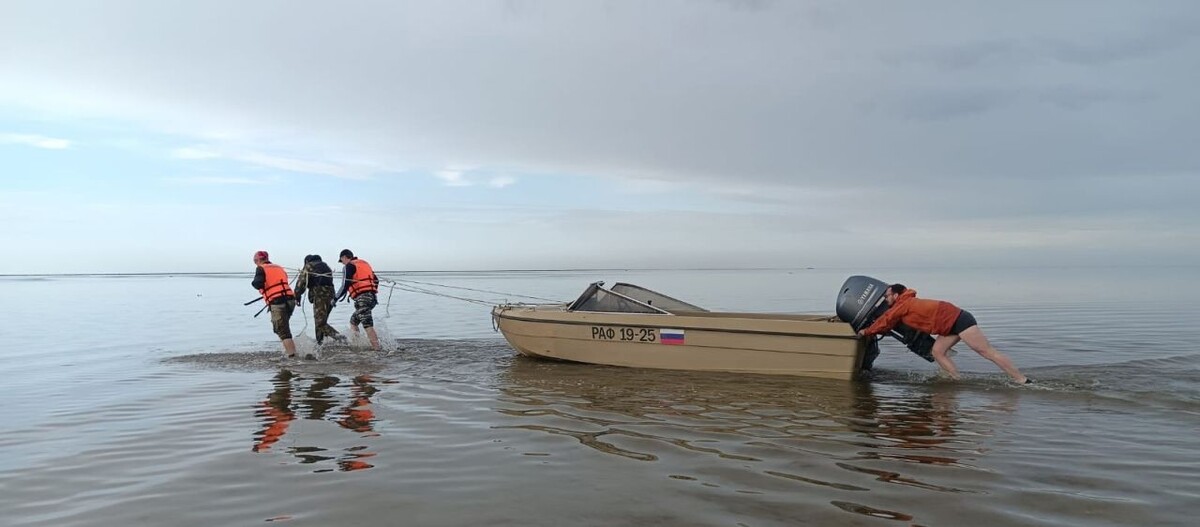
{"x": 860, "y": 302}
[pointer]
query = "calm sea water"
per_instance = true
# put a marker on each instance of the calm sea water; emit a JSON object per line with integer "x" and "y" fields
{"x": 134, "y": 400}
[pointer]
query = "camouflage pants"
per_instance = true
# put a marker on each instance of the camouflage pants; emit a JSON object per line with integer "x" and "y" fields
{"x": 281, "y": 316}
{"x": 322, "y": 301}
{"x": 363, "y": 304}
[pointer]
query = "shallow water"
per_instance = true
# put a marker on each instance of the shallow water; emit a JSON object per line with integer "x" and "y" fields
{"x": 159, "y": 400}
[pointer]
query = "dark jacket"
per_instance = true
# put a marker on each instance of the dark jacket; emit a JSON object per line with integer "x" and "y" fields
{"x": 315, "y": 274}
{"x": 348, "y": 280}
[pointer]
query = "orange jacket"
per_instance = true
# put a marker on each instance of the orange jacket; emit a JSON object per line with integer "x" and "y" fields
{"x": 276, "y": 283}
{"x": 935, "y": 317}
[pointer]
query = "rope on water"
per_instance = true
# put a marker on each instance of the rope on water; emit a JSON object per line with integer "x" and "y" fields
{"x": 414, "y": 289}
{"x": 304, "y": 314}
{"x": 300, "y": 304}
{"x": 411, "y": 287}
{"x": 500, "y": 293}
{"x": 414, "y": 286}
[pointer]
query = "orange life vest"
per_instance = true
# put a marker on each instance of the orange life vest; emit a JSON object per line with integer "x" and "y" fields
{"x": 364, "y": 279}
{"x": 276, "y": 284}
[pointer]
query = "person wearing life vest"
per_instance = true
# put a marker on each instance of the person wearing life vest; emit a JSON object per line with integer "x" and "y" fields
{"x": 271, "y": 281}
{"x": 949, "y": 322}
{"x": 361, "y": 284}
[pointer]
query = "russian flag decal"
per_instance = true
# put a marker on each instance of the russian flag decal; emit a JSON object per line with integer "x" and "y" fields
{"x": 670, "y": 336}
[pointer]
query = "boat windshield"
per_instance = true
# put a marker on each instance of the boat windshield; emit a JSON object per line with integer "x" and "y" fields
{"x": 628, "y": 298}
{"x": 654, "y": 298}
{"x": 597, "y": 298}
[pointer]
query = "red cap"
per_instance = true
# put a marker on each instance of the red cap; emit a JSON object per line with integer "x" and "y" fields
{"x": 261, "y": 255}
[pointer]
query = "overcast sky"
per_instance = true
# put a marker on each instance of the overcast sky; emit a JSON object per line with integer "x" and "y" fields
{"x": 170, "y": 136}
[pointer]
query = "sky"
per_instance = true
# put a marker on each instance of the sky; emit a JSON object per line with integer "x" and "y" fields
{"x": 182, "y": 137}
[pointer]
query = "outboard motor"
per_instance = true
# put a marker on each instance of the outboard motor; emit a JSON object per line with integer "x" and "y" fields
{"x": 861, "y": 302}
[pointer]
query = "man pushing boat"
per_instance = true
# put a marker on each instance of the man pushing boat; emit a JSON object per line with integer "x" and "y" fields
{"x": 949, "y": 322}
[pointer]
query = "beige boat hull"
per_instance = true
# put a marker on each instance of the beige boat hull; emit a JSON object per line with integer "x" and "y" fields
{"x": 803, "y": 345}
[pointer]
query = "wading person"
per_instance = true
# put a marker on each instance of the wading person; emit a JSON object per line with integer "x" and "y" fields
{"x": 361, "y": 284}
{"x": 317, "y": 278}
{"x": 271, "y": 281}
{"x": 949, "y": 322}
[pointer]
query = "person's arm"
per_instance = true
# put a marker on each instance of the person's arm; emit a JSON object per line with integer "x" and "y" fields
{"x": 301, "y": 282}
{"x": 347, "y": 279}
{"x": 260, "y": 278}
{"x": 885, "y": 323}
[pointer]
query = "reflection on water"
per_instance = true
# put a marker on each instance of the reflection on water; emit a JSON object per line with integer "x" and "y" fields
{"x": 753, "y": 431}
{"x": 925, "y": 429}
{"x": 319, "y": 394}
{"x": 276, "y": 412}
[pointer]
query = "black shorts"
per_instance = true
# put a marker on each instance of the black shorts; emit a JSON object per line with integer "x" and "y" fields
{"x": 964, "y": 321}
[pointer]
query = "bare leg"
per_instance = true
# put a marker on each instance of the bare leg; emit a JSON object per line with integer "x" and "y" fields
{"x": 975, "y": 338}
{"x": 373, "y": 337}
{"x": 941, "y": 348}
{"x": 289, "y": 347}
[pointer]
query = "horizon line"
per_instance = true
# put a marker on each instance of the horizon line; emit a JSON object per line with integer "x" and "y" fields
{"x": 581, "y": 269}
{"x": 166, "y": 273}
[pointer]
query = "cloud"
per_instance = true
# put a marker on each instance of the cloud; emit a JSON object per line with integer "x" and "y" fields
{"x": 303, "y": 165}
{"x": 193, "y": 152}
{"x": 635, "y": 185}
{"x": 501, "y": 181}
{"x": 1081, "y": 97}
{"x": 36, "y": 141}
{"x": 787, "y": 95}
{"x": 957, "y": 56}
{"x": 289, "y": 164}
{"x": 452, "y": 176}
{"x": 221, "y": 180}
{"x": 456, "y": 176}
{"x": 868, "y": 115}
{"x": 1163, "y": 36}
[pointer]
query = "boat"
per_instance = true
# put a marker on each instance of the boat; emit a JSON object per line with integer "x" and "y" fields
{"x": 632, "y": 326}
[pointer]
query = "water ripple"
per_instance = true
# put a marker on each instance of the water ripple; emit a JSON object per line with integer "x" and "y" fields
{"x": 193, "y": 420}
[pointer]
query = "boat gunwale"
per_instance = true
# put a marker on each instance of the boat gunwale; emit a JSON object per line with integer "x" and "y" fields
{"x": 684, "y": 326}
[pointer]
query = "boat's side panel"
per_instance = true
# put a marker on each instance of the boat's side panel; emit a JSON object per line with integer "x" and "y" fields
{"x": 594, "y": 341}
{"x": 734, "y": 322}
